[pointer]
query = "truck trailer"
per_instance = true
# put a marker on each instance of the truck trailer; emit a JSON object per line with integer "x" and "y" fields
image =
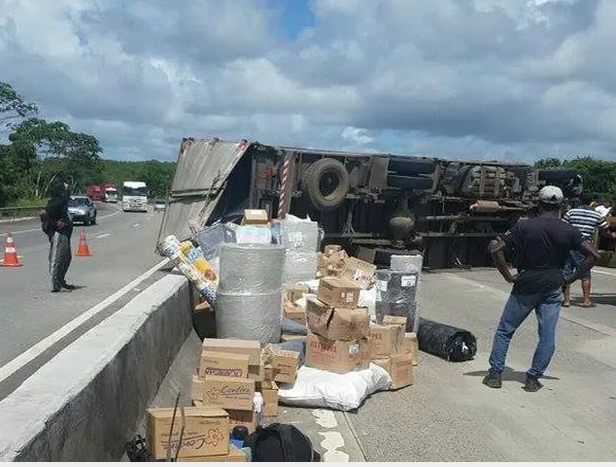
{"x": 374, "y": 204}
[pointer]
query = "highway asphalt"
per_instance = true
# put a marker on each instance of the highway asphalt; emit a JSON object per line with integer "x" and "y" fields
{"x": 122, "y": 247}
{"x": 448, "y": 415}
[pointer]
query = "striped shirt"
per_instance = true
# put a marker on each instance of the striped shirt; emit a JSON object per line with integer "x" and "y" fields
{"x": 586, "y": 220}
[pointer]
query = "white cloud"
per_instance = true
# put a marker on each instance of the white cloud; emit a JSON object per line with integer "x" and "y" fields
{"x": 515, "y": 79}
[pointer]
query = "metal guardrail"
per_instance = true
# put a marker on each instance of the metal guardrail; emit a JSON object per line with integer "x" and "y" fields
{"x": 13, "y": 212}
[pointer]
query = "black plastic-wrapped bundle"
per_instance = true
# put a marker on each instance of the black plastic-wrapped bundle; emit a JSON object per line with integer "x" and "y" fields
{"x": 448, "y": 342}
{"x": 395, "y": 296}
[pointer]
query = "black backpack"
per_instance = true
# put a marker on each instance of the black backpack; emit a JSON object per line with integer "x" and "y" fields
{"x": 279, "y": 442}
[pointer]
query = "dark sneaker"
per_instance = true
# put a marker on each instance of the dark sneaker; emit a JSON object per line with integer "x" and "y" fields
{"x": 493, "y": 380}
{"x": 532, "y": 384}
{"x": 69, "y": 286}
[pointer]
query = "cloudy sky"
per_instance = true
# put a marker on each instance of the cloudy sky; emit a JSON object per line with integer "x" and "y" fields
{"x": 500, "y": 79}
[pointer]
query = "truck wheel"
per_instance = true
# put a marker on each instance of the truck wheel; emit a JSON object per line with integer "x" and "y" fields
{"x": 410, "y": 183}
{"x": 557, "y": 175}
{"x": 408, "y": 167}
{"x": 327, "y": 183}
{"x": 94, "y": 221}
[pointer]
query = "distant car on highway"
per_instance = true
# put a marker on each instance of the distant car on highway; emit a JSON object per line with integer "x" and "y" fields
{"x": 160, "y": 205}
{"x": 82, "y": 209}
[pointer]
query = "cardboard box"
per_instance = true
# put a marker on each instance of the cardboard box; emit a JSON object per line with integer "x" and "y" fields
{"x": 338, "y": 292}
{"x": 332, "y": 266}
{"x": 269, "y": 391}
{"x": 411, "y": 346}
{"x": 336, "y": 356}
{"x": 297, "y": 291}
{"x": 337, "y": 323}
{"x": 235, "y": 346}
{"x": 255, "y": 217}
{"x": 235, "y": 455}
{"x": 285, "y": 363}
{"x": 361, "y": 272}
{"x": 229, "y": 393}
{"x": 331, "y": 249}
{"x": 401, "y": 371}
{"x": 399, "y": 367}
{"x": 386, "y": 340}
{"x": 256, "y": 372}
{"x": 383, "y": 362}
{"x": 294, "y": 313}
{"x": 223, "y": 364}
{"x": 197, "y": 388}
{"x": 389, "y": 320}
{"x": 247, "y": 418}
{"x": 206, "y": 432}
{"x": 292, "y": 337}
{"x": 268, "y": 373}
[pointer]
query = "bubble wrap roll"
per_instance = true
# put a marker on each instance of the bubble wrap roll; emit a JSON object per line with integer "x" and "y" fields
{"x": 251, "y": 268}
{"x": 249, "y": 316}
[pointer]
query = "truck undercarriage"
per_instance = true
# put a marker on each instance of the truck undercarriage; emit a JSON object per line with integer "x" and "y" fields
{"x": 373, "y": 204}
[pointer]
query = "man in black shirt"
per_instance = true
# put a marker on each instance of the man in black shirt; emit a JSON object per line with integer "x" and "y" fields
{"x": 540, "y": 247}
{"x": 59, "y": 229}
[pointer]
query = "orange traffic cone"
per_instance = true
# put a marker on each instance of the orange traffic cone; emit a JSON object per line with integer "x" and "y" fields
{"x": 83, "y": 249}
{"x": 10, "y": 259}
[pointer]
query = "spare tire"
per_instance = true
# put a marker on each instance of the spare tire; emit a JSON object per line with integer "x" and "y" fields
{"x": 557, "y": 175}
{"x": 408, "y": 167}
{"x": 327, "y": 183}
{"x": 410, "y": 183}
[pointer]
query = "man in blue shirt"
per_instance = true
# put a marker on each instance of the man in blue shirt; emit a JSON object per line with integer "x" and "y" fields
{"x": 540, "y": 247}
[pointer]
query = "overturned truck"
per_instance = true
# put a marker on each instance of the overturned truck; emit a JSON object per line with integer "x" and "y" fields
{"x": 374, "y": 205}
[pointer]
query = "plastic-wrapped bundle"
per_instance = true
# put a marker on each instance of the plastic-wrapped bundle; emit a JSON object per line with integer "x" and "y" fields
{"x": 171, "y": 248}
{"x": 250, "y": 268}
{"x": 212, "y": 237}
{"x": 249, "y": 316}
{"x": 448, "y": 342}
{"x": 301, "y": 239}
{"x": 395, "y": 295}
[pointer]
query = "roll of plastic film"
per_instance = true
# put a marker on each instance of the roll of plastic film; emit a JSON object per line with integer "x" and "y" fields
{"x": 251, "y": 268}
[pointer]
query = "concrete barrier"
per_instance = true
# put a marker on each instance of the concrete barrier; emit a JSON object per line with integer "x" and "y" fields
{"x": 85, "y": 403}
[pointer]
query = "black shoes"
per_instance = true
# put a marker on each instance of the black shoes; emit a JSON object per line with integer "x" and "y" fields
{"x": 532, "y": 384}
{"x": 493, "y": 380}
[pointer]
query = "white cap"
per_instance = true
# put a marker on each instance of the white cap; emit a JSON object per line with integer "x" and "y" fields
{"x": 550, "y": 194}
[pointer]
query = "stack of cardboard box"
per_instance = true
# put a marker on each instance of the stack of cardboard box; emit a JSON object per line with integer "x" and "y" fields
{"x": 393, "y": 349}
{"x": 205, "y": 437}
{"x": 228, "y": 372}
{"x": 280, "y": 367}
{"x": 338, "y": 333}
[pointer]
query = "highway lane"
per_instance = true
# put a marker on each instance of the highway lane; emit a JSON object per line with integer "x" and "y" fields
{"x": 448, "y": 415}
{"x": 122, "y": 245}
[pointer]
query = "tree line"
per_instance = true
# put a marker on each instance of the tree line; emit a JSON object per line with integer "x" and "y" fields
{"x": 35, "y": 152}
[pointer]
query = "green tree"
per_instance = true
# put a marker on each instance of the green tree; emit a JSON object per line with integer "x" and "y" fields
{"x": 13, "y": 107}
{"x": 48, "y": 150}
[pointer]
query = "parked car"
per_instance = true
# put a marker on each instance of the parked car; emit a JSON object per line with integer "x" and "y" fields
{"x": 82, "y": 209}
{"x": 160, "y": 205}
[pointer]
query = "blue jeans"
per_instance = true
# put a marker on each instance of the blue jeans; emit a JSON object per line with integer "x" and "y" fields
{"x": 518, "y": 307}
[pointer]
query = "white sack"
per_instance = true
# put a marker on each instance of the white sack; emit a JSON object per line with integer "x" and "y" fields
{"x": 320, "y": 388}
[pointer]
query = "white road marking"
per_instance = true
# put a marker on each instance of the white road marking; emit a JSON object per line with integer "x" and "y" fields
{"x": 37, "y": 349}
{"x": 332, "y": 440}
{"x": 38, "y": 229}
{"x": 136, "y": 225}
{"x": 103, "y": 235}
{"x": 605, "y": 273}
